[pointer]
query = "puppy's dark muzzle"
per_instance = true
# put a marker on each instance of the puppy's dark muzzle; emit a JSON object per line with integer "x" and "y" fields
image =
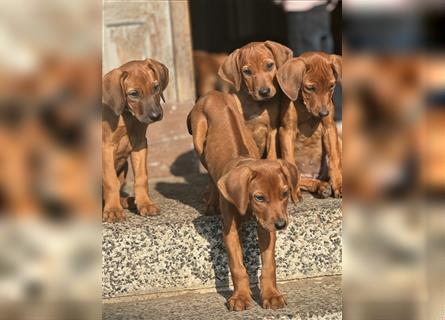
{"x": 152, "y": 114}
{"x": 280, "y": 224}
{"x": 155, "y": 115}
{"x": 264, "y": 92}
{"x": 324, "y": 112}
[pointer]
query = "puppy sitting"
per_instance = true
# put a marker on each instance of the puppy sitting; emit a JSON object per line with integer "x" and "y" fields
{"x": 131, "y": 101}
{"x": 309, "y": 81}
{"x": 247, "y": 186}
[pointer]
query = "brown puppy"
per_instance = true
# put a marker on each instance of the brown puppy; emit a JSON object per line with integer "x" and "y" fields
{"x": 309, "y": 81}
{"x": 248, "y": 186}
{"x": 206, "y": 66}
{"x": 252, "y": 71}
{"x": 131, "y": 101}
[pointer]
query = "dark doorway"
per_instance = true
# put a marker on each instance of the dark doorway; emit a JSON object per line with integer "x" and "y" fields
{"x": 224, "y": 25}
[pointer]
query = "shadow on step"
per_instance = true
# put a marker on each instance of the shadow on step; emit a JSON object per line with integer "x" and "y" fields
{"x": 192, "y": 191}
{"x": 210, "y": 228}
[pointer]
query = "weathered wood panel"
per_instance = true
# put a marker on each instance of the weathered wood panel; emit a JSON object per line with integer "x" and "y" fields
{"x": 139, "y": 30}
{"x": 181, "y": 35}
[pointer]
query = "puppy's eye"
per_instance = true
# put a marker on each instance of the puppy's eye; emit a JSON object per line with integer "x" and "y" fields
{"x": 156, "y": 87}
{"x": 285, "y": 194}
{"x": 332, "y": 86}
{"x": 259, "y": 198}
{"x": 247, "y": 72}
{"x": 270, "y": 65}
{"x": 309, "y": 88}
{"x": 134, "y": 94}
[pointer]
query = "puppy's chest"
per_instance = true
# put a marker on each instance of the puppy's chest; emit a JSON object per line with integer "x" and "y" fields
{"x": 128, "y": 134}
{"x": 263, "y": 115}
{"x": 121, "y": 142}
{"x": 309, "y": 129}
{"x": 309, "y": 149}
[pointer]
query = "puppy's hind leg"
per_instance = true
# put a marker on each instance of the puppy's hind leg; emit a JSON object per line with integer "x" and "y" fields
{"x": 212, "y": 200}
{"x": 197, "y": 124}
{"x": 127, "y": 202}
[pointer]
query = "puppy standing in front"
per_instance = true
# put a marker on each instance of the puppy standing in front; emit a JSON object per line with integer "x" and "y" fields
{"x": 131, "y": 101}
{"x": 247, "y": 185}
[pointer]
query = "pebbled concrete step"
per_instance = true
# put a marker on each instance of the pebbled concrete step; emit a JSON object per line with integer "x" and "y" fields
{"x": 308, "y": 299}
{"x": 183, "y": 249}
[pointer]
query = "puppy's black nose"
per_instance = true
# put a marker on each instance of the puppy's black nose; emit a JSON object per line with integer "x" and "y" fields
{"x": 280, "y": 224}
{"x": 323, "y": 113}
{"x": 264, "y": 92}
{"x": 155, "y": 116}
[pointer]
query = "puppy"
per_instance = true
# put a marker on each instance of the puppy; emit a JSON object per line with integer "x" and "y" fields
{"x": 206, "y": 66}
{"x": 309, "y": 82}
{"x": 252, "y": 71}
{"x": 247, "y": 186}
{"x": 131, "y": 101}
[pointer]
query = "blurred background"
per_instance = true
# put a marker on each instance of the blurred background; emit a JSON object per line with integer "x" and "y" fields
{"x": 394, "y": 159}
{"x": 393, "y": 112}
{"x": 220, "y": 27}
{"x": 50, "y": 183}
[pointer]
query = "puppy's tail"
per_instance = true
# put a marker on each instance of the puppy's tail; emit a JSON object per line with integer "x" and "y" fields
{"x": 197, "y": 126}
{"x": 189, "y": 123}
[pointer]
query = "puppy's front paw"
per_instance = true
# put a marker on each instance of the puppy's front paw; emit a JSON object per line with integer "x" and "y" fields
{"x": 240, "y": 301}
{"x": 324, "y": 190}
{"x": 148, "y": 209}
{"x": 337, "y": 188}
{"x": 273, "y": 299}
{"x": 113, "y": 214}
{"x": 338, "y": 193}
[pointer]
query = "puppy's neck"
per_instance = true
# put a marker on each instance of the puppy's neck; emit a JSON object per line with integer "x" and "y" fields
{"x": 304, "y": 115}
{"x": 244, "y": 95}
{"x": 246, "y": 99}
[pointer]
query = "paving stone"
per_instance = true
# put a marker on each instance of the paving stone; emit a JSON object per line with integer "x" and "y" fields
{"x": 308, "y": 299}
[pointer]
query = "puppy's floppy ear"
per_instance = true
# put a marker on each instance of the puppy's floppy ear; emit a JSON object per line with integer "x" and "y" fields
{"x": 292, "y": 176}
{"x": 234, "y": 187}
{"x": 113, "y": 91}
{"x": 230, "y": 71}
{"x": 281, "y": 53}
{"x": 161, "y": 72}
{"x": 290, "y": 77}
{"x": 336, "y": 62}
